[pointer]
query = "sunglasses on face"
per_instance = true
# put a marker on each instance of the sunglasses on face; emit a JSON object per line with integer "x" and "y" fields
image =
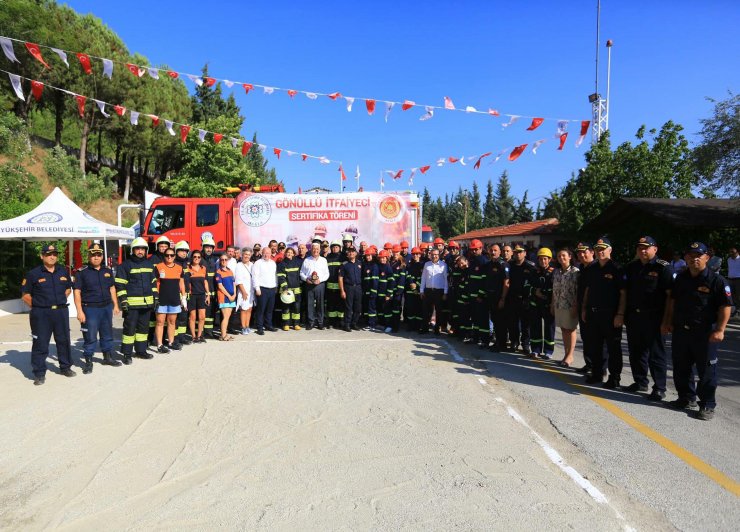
{"x": 96, "y": 254}
{"x": 169, "y": 255}
{"x": 51, "y": 254}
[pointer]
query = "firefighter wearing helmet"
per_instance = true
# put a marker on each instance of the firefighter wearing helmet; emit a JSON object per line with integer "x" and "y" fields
{"x": 386, "y": 289}
{"x": 182, "y": 250}
{"x": 210, "y": 261}
{"x": 161, "y": 245}
{"x": 136, "y": 289}
{"x": 334, "y": 303}
{"x": 541, "y": 320}
{"x": 370, "y": 288}
{"x": 477, "y": 284}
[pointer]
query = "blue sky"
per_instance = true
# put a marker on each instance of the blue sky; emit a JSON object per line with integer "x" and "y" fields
{"x": 528, "y": 58}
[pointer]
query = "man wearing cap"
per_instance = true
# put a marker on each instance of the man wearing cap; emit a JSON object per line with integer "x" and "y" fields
{"x": 697, "y": 313}
{"x": 370, "y": 288}
{"x": 314, "y": 273}
{"x": 347, "y": 242}
{"x": 334, "y": 303}
{"x": 541, "y": 320}
{"x": 136, "y": 288}
{"x": 648, "y": 281}
{"x": 477, "y": 283}
{"x": 517, "y": 306}
{"x": 585, "y": 255}
{"x": 96, "y": 302}
{"x": 350, "y": 287}
{"x": 604, "y": 302}
{"x": 45, "y": 289}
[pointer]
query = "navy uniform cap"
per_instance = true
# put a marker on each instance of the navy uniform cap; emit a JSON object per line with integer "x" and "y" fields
{"x": 647, "y": 241}
{"x": 583, "y": 246}
{"x": 519, "y": 247}
{"x": 95, "y": 248}
{"x": 49, "y": 248}
{"x": 602, "y": 243}
{"x": 697, "y": 247}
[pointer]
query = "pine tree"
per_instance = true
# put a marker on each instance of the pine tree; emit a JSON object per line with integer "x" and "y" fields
{"x": 504, "y": 202}
{"x": 490, "y": 219}
{"x": 523, "y": 211}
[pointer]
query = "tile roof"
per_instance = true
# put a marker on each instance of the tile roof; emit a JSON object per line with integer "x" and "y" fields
{"x": 547, "y": 225}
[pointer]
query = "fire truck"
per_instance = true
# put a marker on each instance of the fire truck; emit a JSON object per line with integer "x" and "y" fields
{"x": 258, "y": 214}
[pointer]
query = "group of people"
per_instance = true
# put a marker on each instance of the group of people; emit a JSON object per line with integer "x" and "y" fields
{"x": 490, "y": 296}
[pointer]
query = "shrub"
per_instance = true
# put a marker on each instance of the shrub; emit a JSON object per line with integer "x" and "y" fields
{"x": 84, "y": 189}
{"x": 14, "y": 140}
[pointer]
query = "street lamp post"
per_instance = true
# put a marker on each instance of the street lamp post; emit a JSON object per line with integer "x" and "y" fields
{"x": 465, "y": 210}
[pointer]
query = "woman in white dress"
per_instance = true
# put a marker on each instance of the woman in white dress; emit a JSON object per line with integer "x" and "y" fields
{"x": 245, "y": 292}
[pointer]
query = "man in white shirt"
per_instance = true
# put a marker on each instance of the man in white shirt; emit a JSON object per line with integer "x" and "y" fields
{"x": 264, "y": 281}
{"x": 433, "y": 290}
{"x": 315, "y": 272}
{"x": 245, "y": 291}
{"x": 231, "y": 252}
{"x": 733, "y": 275}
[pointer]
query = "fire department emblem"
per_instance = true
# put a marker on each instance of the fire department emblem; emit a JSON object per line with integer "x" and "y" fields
{"x": 390, "y": 209}
{"x": 255, "y": 211}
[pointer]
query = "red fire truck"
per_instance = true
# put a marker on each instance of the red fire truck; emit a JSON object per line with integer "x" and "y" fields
{"x": 262, "y": 213}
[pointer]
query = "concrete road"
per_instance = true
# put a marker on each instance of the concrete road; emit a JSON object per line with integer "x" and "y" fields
{"x": 329, "y": 430}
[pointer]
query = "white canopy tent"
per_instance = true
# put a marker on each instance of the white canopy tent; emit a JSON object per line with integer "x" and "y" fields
{"x": 59, "y": 218}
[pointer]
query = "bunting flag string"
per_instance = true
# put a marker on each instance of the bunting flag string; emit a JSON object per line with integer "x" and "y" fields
{"x": 37, "y": 88}
{"x": 370, "y": 103}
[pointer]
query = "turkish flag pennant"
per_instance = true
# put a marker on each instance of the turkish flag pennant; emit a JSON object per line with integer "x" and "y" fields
{"x": 155, "y": 120}
{"x": 217, "y": 137}
{"x": 477, "y": 163}
{"x": 516, "y": 152}
{"x": 85, "y": 62}
{"x": 35, "y": 51}
{"x": 247, "y": 87}
{"x": 584, "y": 126}
{"x": 407, "y": 104}
{"x": 370, "y": 104}
{"x": 292, "y": 93}
{"x": 133, "y": 69}
{"x": 37, "y": 88}
{"x": 493, "y": 112}
{"x": 453, "y": 160}
{"x": 536, "y": 122}
{"x": 334, "y": 95}
{"x": 448, "y": 103}
{"x": 424, "y": 169}
{"x": 277, "y": 151}
{"x": 184, "y": 130}
{"x": 563, "y": 137}
{"x": 341, "y": 173}
{"x": 81, "y": 104}
{"x": 246, "y": 146}
{"x": 120, "y": 110}
{"x": 304, "y": 156}
{"x": 173, "y": 74}
{"x": 210, "y": 82}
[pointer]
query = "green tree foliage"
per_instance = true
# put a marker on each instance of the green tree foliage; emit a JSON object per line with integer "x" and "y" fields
{"x": 490, "y": 218}
{"x": 84, "y": 189}
{"x": 658, "y": 167}
{"x": 523, "y": 212}
{"x": 504, "y": 202}
{"x": 717, "y": 157}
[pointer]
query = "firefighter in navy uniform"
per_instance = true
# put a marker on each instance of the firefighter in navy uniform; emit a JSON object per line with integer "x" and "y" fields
{"x": 350, "y": 287}
{"x": 448, "y": 307}
{"x": 386, "y": 289}
{"x": 697, "y": 314}
{"x": 497, "y": 290}
{"x": 398, "y": 264}
{"x": 289, "y": 278}
{"x": 370, "y": 288}
{"x": 648, "y": 283}
{"x": 477, "y": 283}
{"x": 182, "y": 249}
{"x": 412, "y": 301}
{"x": 213, "y": 314}
{"x": 458, "y": 285}
{"x": 586, "y": 260}
{"x": 334, "y": 303}
{"x": 541, "y": 321}
{"x": 45, "y": 289}
{"x": 517, "y": 306}
{"x": 604, "y": 304}
{"x": 136, "y": 287}
{"x": 96, "y": 302}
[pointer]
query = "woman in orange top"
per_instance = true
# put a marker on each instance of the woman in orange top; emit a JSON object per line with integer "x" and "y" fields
{"x": 171, "y": 286}
{"x": 200, "y": 299}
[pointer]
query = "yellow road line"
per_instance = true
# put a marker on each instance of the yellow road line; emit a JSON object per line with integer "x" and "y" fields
{"x": 691, "y": 459}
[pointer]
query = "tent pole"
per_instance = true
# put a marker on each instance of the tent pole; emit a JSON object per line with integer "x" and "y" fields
{"x": 23, "y": 241}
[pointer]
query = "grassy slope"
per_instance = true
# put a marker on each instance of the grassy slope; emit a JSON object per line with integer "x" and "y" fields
{"x": 102, "y": 209}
